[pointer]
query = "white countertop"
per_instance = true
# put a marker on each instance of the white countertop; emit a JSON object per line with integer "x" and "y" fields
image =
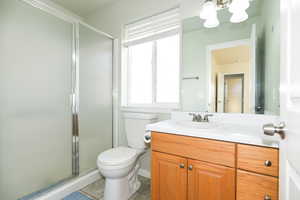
{"x": 230, "y": 132}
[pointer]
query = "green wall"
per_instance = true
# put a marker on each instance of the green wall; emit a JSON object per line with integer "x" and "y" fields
{"x": 270, "y": 40}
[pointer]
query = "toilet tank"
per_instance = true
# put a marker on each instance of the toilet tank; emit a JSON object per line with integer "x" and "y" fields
{"x": 135, "y": 124}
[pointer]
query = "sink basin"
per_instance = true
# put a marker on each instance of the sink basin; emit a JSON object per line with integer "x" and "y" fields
{"x": 198, "y": 125}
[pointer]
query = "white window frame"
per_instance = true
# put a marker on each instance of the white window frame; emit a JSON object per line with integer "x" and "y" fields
{"x": 164, "y": 24}
{"x": 126, "y": 76}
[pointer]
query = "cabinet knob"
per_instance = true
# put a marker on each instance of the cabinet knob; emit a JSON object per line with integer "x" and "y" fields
{"x": 181, "y": 165}
{"x": 268, "y": 163}
{"x": 191, "y": 167}
{"x": 267, "y": 197}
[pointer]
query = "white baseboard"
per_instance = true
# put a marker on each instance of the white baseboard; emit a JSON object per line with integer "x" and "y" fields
{"x": 72, "y": 186}
{"x": 144, "y": 173}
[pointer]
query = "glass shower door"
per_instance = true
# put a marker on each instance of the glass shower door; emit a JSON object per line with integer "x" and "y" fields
{"x": 35, "y": 88}
{"x": 95, "y": 96}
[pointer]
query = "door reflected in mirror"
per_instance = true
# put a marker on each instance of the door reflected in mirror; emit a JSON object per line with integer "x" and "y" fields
{"x": 233, "y": 86}
{"x": 236, "y": 64}
{"x": 231, "y": 78}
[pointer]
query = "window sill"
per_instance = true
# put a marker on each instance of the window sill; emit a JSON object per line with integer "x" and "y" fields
{"x": 162, "y": 110}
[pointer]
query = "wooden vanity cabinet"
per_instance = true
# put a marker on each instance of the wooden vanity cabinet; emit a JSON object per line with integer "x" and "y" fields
{"x": 210, "y": 182}
{"x": 252, "y": 186}
{"x": 181, "y": 171}
{"x": 260, "y": 160}
{"x": 257, "y": 173}
{"x": 188, "y": 168}
{"x": 169, "y": 177}
{"x": 178, "y": 178}
{"x": 213, "y": 151}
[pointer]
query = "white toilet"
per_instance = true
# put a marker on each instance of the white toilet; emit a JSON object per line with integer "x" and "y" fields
{"x": 120, "y": 165}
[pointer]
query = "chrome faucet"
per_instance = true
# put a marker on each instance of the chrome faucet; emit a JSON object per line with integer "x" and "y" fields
{"x": 198, "y": 117}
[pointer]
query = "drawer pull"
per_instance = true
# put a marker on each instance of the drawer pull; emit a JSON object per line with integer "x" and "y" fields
{"x": 191, "y": 167}
{"x": 181, "y": 165}
{"x": 267, "y": 197}
{"x": 268, "y": 163}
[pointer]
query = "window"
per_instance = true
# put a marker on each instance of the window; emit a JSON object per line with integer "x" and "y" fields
{"x": 140, "y": 74}
{"x": 167, "y": 70}
{"x": 153, "y": 66}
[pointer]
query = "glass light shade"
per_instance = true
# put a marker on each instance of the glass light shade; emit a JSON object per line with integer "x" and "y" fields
{"x": 239, "y": 6}
{"x": 239, "y": 17}
{"x": 208, "y": 10}
{"x": 212, "y": 22}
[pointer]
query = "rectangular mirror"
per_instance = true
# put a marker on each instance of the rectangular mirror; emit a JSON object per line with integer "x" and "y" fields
{"x": 234, "y": 67}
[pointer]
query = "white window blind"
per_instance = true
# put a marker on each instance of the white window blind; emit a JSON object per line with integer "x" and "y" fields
{"x": 153, "y": 28}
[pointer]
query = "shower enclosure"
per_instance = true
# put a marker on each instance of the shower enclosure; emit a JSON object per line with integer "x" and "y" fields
{"x": 55, "y": 97}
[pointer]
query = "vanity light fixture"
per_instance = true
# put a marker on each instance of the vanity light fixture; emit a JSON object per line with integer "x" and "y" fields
{"x": 209, "y": 11}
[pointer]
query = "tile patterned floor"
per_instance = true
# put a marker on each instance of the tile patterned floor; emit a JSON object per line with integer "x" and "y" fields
{"x": 95, "y": 191}
{"x": 77, "y": 196}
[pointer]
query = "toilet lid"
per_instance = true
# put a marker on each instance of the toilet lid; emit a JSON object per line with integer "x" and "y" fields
{"x": 117, "y": 156}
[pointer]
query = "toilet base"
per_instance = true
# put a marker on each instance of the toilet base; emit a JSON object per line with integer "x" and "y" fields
{"x": 122, "y": 188}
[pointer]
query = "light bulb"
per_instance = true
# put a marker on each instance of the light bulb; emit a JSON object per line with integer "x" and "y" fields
{"x": 208, "y": 9}
{"x": 238, "y": 6}
{"x": 212, "y": 22}
{"x": 239, "y": 17}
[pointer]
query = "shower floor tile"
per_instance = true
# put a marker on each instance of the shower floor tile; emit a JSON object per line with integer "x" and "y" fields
{"x": 95, "y": 191}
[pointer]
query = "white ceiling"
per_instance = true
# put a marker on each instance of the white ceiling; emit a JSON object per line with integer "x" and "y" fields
{"x": 232, "y": 55}
{"x": 82, "y": 7}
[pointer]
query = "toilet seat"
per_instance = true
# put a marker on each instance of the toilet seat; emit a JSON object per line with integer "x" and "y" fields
{"x": 117, "y": 157}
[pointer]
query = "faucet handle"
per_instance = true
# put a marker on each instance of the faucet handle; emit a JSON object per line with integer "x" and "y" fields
{"x": 206, "y": 117}
{"x": 196, "y": 117}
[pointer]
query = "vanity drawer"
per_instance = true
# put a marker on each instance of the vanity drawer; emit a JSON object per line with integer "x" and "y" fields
{"x": 213, "y": 151}
{"x": 251, "y": 186}
{"x": 258, "y": 159}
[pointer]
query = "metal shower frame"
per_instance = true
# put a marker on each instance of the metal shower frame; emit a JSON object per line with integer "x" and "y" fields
{"x": 76, "y": 21}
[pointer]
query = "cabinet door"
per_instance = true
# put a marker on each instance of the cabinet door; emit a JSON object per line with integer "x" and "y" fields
{"x": 169, "y": 177}
{"x": 251, "y": 186}
{"x": 210, "y": 182}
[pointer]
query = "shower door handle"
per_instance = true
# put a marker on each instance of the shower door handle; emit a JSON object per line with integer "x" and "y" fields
{"x": 72, "y": 102}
